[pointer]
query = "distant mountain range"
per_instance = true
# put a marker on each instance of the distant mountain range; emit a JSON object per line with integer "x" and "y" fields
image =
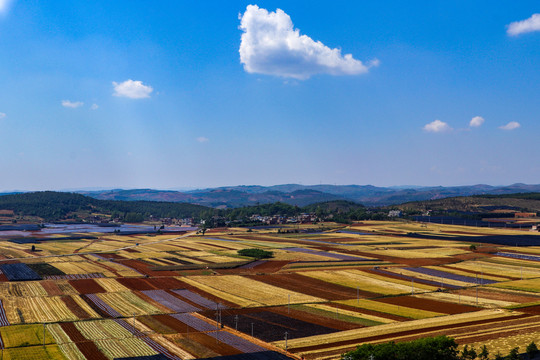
{"x": 302, "y": 195}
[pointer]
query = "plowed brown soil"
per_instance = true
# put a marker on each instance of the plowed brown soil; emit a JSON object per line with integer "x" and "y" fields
{"x": 428, "y": 304}
{"x": 72, "y": 331}
{"x": 310, "y": 286}
{"x": 86, "y": 286}
{"x": 135, "y": 283}
{"x": 91, "y": 351}
{"x": 51, "y": 288}
{"x": 75, "y": 308}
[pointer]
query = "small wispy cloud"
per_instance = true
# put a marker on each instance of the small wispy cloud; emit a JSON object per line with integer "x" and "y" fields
{"x": 510, "y": 126}
{"x": 271, "y": 45}
{"x": 72, "y": 104}
{"x": 94, "y": 107}
{"x": 202, "y": 139}
{"x": 133, "y": 89}
{"x": 524, "y": 26}
{"x": 2, "y": 115}
{"x": 476, "y": 121}
{"x": 437, "y": 126}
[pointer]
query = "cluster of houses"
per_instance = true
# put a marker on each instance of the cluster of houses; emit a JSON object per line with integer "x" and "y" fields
{"x": 278, "y": 219}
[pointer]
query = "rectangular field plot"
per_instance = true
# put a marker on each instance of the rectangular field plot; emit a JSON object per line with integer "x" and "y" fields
{"x": 270, "y": 326}
{"x": 37, "y": 309}
{"x": 367, "y": 282}
{"x": 170, "y": 301}
{"x": 248, "y": 292}
{"x": 408, "y": 312}
{"x": 198, "y": 299}
{"x": 19, "y": 272}
{"x": 491, "y": 267}
{"x": 126, "y": 304}
{"x": 531, "y": 285}
{"x": 25, "y": 335}
{"x": 34, "y": 352}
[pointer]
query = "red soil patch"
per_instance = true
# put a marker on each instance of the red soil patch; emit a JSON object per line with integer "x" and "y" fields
{"x": 94, "y": 307}
{"x": 112, "y": 256}
{"x": 86, "y": 286}
{"x": 166, "y": 283}
{"x": 144, "y": 268}
{"x": 531, "y": 309}
{"x": 91, "y": 351}
{"x": 51, "y": 288}
{"x": 313, "y": 287}
{"x": 218, "y": 246}
{"x": 72, "y": 331}
{"x": 135, "y": 283}
{"x": 428, "y": 304}
{"x": 471, "y": 256}
{"x": 3, "y": 277}
{"x": 271, "y": 266}
{"x": 130, "y": 250}
{"x": 75, "y": 308}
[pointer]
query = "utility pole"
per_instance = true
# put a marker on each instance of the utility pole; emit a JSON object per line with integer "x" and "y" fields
{"x": 236, "y": 322}
{"x": 251, "y": 329}
{"x": 477, "y": 289}
{"x": 289, "y": 304}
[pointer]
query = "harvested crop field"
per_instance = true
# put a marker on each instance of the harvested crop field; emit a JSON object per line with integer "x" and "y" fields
{"x": 429, "y": 305}
{"x": 109, "y": 301}
{"x": 312, "y": 286}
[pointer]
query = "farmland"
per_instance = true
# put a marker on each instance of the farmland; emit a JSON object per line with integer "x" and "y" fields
{"x": 185, "y": 296}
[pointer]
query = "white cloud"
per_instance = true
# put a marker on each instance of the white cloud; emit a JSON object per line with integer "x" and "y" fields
{"x": 132, "y": 89}
{"x": 476, "y": 121}
{"x": 72, "y": 104}
{"x": 2, "y": 115}
{"x": 94, "y": 107}
{"x": 510, "y": 126}
{"x": 524, "y": 26}
{"x": 437, "y": 126}
{"x": 202, "y": 139}
{"x": 271, "y": 45}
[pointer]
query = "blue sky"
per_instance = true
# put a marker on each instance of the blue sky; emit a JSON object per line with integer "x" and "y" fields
{"x": 176, "y": 94}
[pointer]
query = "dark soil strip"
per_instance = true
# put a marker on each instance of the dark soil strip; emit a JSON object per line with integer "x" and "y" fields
{"x": 75, "y": 308}
{"x": 86, "y": 286}
{"x": 313, "y": 287}
{"x": 72, "y": 331}
{"x": 428, "y": 304}
{"x": 91, "y": 351}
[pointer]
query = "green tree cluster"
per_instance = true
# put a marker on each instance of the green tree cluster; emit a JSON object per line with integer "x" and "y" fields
{"x": 440, "y": 348}
{"x": 256, "y": 253}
